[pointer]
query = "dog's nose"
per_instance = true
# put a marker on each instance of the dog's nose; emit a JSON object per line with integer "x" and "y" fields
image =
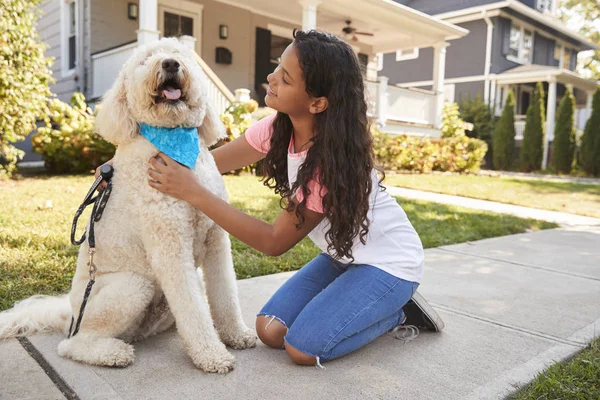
{"x": 170, "y": 65}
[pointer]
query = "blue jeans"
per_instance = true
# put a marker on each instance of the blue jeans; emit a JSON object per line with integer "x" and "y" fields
{"x": 332, "y": 309}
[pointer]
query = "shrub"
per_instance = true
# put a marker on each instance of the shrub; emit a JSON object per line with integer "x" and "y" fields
{"x": 590, "y": 141}
{"x": 24, "y": 78}
{"x": 237, "y": 118}
{"x": 423, "y": 155}
{"x": 563, "y": 146}
{"x": 452, "y": 124}
{"x": 68, "y": 141}
{"x": 532, "y": 149}
{"x": 504, "y": 135}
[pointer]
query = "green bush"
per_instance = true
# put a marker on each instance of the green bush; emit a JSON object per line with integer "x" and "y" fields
{"x": 563, "y": 146}
{"x": 481, "y": 116}
{"x": 237, "y": 118}
{"x": 423, "y": 155}
{"x": 24, "y": 78}
{"x": 452, "y": 124}
{"x": 68, "y": 141}
{"x": 590, "y": 141}
{"x": 532, "y": 149}
{"x": 504, "y": 135}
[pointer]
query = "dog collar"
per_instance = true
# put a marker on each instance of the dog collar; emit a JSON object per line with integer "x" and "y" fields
{"x": 181, "y": 144}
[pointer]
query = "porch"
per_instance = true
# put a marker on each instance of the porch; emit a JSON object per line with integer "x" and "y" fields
{"x": 255, "y": 32}
{"x": 522, "y": 81}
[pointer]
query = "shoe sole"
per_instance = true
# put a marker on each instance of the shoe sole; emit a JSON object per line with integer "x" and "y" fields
{"x": 427, "y": 317}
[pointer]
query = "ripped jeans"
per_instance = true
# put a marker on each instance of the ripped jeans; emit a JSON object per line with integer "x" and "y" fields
{"x": 332, "y": 309}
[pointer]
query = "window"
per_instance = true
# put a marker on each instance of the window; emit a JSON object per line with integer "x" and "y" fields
{"x": 69, "y": 36}
{"x": 178, "y": 25}
{"x": 520, "y": 48}
{"x": 566, "y": 59}
{"x": 407, "y": 54}
{"x": 545, "y": 6}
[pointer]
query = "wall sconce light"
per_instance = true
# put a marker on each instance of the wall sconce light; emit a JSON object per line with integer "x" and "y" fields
{"x": 132, "y": 10}
{"x": 223, "y": 32}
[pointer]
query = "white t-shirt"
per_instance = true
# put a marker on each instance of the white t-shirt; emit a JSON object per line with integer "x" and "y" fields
{"x": 392, "y": 244}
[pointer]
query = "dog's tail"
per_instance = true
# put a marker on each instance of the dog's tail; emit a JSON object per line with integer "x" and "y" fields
{"x": 37, "y": 314}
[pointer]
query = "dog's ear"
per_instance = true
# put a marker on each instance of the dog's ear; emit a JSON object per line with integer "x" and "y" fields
{"x": 212, "y": 129}
{"x": 114, "y": 121}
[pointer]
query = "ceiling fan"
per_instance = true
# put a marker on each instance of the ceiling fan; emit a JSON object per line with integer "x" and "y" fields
{"x": 350, "y": 30}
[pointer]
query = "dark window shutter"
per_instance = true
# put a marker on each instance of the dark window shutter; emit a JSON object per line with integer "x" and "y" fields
{"x": 505, "y": 24}
{"x": 262, "y": 63}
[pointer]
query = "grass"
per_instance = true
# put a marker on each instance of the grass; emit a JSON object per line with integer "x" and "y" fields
{"x": 36, "y": 214}
{"x": 575, "y": 379}
{"x": 574, "y": 198}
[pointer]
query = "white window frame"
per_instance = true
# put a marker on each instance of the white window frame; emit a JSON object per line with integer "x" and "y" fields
{"x": 546, "y": 6}
{"x": 407, "y": 54}
{"x": 520, "y": 59}
{"x": 64, "y": 36}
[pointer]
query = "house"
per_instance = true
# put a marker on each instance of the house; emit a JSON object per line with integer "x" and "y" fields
{"x": 238, "y": 43}
{"x": 511, "y": 45}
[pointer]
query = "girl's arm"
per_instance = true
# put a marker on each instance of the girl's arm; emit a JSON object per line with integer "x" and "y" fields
{"x": 273, "y": 240}
{"x": 235, "y": 155}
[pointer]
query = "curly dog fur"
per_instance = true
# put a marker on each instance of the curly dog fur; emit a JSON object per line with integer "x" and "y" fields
{"x": 149, "y": 244}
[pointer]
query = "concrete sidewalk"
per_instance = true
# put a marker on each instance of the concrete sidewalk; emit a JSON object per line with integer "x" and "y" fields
{"x": 512, "y": 305}
{"x": 563, "y": 219}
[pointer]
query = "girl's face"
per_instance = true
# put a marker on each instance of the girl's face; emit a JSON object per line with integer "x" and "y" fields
{"x": 287, "y": 91}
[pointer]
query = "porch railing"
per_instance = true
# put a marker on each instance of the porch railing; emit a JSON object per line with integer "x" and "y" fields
{"x": 519, "y": 126}
{"x": 388, "y": 102}
{"x": 107, "y": 64}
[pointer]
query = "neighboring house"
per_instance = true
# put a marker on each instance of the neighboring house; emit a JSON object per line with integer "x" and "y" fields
{"x": 239, "y": 42}
{"x": 512, "y": 45}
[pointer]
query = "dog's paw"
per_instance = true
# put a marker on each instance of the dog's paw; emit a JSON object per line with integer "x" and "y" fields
{"x": 105, "y": 352}
{"x": 240, "y": 340}
{"x": 215, "y": 360}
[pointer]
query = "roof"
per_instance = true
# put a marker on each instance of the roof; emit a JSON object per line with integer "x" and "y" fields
{"x": 538, "y": 73}
{"x": 514, "y": 5}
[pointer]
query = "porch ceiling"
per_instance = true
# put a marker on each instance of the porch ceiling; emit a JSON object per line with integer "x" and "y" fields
{"x": 394, "y": 26}
{"x": 541, "y": 73}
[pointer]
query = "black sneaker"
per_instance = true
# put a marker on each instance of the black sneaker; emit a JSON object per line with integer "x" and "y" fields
{"x": 419, "y": 313}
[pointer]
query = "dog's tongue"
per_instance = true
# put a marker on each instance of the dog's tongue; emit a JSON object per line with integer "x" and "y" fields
{"x": 171, "y": 94}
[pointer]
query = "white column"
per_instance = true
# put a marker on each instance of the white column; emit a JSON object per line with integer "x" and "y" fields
{"x": 439, "y": 71}
{"x": 382, "y": 103}
{"x": 488, "y": 59}
{"x": 550, "y": 116}
{"x": 588, "y": 107}
{"x": 492, "y": 102}
{"x": 309, "y": 14}
{"x": 242, "y": 95}
{"x": 148, "y": 31}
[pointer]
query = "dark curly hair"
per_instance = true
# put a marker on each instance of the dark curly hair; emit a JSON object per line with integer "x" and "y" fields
{"x": 341, "y": 155}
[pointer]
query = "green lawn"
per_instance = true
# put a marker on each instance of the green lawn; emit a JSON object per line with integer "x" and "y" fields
{"x": 567, "y": 197}
{"x": 576, "y": 379}
{"x": 36, "y": 214}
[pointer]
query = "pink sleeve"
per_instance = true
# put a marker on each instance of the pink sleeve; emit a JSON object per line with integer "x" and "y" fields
{"x": 314, "y": 201}
{"x": 259, "y": 134}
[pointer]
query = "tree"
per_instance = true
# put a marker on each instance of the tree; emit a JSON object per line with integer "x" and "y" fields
{"x": 563, "y": 146}
{"x": 24, "y": 77}
{"x": 590, "y": 141}
{"x": 582, "y": 16}
{"x": 504, "y": 135}
{"x": 532, "y": 148}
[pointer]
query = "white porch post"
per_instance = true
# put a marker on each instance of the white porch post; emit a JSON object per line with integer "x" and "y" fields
{"x": 309, "y": 14}
{"x": 550, "y": 116}
{"x": 588, "y": 106}
{"x": 381, "y": 104}
{"x": 439, "y": 70}
{"x": 148, "y": 31}
{"x": 492, "y": 102}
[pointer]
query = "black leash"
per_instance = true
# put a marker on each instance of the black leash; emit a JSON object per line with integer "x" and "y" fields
{"x": 99, "y": 203}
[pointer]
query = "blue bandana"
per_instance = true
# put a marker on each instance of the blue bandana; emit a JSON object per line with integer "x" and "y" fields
{"x": 181, "y": 144}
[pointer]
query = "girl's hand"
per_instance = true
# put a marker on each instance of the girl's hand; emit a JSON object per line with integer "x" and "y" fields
{"x": 169, "y": 177}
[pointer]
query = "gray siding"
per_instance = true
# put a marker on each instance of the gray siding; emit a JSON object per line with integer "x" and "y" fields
{"x": 110, "y": 25}
{"x": 464, "y": 57}
{"x": 433, "y": 7}
{"x": 49, "y": 26}
{"x": 468, "y": 90}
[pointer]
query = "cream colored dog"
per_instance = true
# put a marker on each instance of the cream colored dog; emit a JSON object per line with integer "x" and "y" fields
{"x": 149, "y": 244}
